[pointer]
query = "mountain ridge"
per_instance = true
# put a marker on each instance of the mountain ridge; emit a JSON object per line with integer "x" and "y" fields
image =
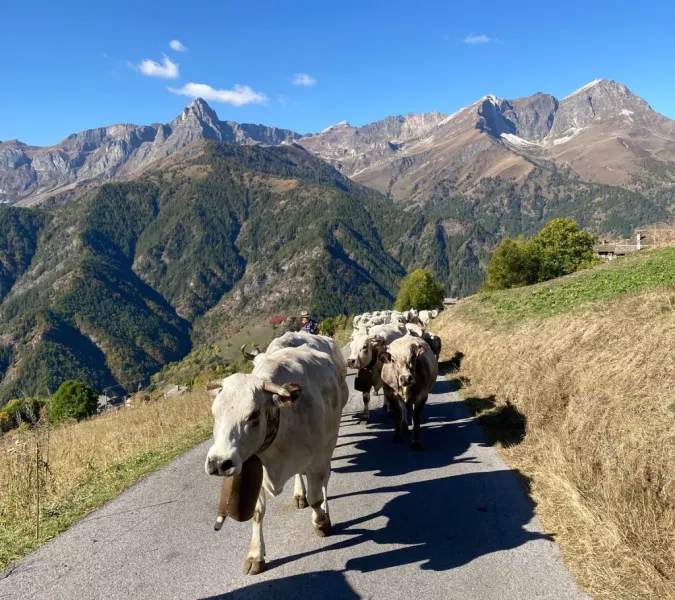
{"x": 600, "y": 132}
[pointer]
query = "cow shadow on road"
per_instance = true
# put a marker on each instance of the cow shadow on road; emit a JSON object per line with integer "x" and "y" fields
{"x": 325, "y": 584}
{"x": 439, "y": 521}
{"x": 446, "y": 435}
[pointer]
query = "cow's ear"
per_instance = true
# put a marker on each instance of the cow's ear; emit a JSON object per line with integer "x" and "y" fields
{"x": 283, "y": 395}
{"x": 419, "y": 351}
{"x": 384, "y": 357}
{"x": 378, "y": 341}
{"x": 213, "y": 387}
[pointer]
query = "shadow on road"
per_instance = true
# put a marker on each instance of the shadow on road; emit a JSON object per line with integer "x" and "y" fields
{"x": 328, "y": 585}
{"x": 439, "y": 522}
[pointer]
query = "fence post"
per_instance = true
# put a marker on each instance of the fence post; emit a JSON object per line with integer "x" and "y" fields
{"x": 37, "y": 486}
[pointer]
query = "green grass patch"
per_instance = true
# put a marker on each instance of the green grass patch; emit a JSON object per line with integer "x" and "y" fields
{"x": 648, "y": 268}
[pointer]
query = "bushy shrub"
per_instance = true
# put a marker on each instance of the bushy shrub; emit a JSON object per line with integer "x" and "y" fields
{"x": 560, "y": 248}
{"x": 420, "y": 290}
{"x": 18, "y": 411}
{"x": 73, "y": 400}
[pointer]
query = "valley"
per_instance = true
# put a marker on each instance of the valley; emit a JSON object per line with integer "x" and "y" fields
{"x": 122, "y": 248}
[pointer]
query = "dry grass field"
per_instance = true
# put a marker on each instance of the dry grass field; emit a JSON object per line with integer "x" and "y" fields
{"x": 79, "y": 466}
{"x": 588, "y": 362}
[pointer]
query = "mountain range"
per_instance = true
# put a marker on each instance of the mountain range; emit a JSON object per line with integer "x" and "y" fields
{"x": 601, "y": 133}
{"x": 123, "y": 247}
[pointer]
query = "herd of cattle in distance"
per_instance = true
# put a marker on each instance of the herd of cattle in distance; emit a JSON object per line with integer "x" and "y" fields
{"x": 282, "y": 420}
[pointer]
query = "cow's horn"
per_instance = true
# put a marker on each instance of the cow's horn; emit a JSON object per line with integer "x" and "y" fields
{"x": 273, "y": 388}
{"x": 247, "y": 355}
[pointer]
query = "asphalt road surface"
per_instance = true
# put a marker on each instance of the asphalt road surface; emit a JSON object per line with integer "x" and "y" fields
{"x": 450, "y": 522}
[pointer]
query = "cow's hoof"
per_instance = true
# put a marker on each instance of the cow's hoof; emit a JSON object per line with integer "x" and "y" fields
{"x": 299, "y": 502}
{"x": 415, "y": 445}
{"x": 253, "y": 567}
{"x": 323, "y": 530}
{"x": 398, "y": 438}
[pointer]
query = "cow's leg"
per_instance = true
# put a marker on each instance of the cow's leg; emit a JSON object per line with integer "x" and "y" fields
{"x": 366, "y": 410}
{"x": 299, "y": 495}
{"x": 404, "y": 417}
{"x": 255, "y": 561}
{"x": 398, "y": 427}
{"x": 317, "y": 495}
{"x": 385, "y": 402}
{"x": 416, "y": 419}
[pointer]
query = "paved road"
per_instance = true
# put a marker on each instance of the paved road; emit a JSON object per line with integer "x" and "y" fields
{"x": 450, "y": 522}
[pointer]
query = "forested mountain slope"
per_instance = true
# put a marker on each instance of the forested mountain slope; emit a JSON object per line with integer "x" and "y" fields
{"x": 111, "y": 285}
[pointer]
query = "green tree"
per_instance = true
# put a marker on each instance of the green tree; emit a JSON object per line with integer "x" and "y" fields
{"x": 73, "y": 400}
{"x": 327, "y": 326}
{"x": 562, "y": 248}
{"x": 514, "y": 264}
{"x": 420, "y": 290}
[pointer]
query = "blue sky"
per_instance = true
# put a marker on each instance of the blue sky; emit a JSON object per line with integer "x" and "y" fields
{"x": 74, "y": 65}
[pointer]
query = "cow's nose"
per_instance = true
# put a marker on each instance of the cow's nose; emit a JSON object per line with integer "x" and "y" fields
{"x": 406, "y": 379}
{"x": 351, "y": 363}
{"x": 224, "y": 466}
{"x": 216, "y": 466}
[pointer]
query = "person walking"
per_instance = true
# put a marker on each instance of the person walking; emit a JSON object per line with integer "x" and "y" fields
{"x": 308, "y": 324}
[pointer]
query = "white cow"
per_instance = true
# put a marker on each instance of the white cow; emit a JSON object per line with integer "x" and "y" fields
{"x": 364, "y": 349}
{"x": 292, "y": 339}
{"x": 287, "y": 412}
{"x": 425, "y": 317}
{"x": 414, "y": 329}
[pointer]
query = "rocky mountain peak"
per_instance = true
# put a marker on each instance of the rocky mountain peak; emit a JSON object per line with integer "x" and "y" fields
{"x": 597, "y": 101}
{"x": 200, "y": 109}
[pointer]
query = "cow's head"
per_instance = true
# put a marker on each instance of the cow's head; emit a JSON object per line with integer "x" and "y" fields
{"x": 398, "y": 370}
{"x": 245, "y": 410}
{"x": 363, "y": 348}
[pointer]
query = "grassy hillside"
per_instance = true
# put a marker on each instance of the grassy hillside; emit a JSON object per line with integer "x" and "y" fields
{"x": 586, "y": 363}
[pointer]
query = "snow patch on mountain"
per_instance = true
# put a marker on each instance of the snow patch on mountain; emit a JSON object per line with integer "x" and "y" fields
{"x": 518, "y": 141}
{"x": 583, "y": 88}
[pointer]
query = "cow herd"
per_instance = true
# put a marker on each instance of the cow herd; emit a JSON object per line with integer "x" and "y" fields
{"x": 284, "y": 416}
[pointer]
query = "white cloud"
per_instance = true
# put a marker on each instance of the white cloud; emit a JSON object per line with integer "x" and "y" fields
{"x": 239, "y": 96}
{"x": 303, "y": 79}
{"x": 283, "y": 100}
{"x": 477, "y": 39}
{"x": 177, "y": 46}
{"x": 167, "y": 70}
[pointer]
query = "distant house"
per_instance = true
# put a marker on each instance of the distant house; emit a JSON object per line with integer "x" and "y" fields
{"x": 611, "y": 250}
{"x": 653, "y": 236}
{"x": 450, "y": 301}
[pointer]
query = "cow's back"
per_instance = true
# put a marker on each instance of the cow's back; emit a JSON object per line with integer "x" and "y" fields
{"x": 317, "y": 342}
{"x": 388, "y": 332}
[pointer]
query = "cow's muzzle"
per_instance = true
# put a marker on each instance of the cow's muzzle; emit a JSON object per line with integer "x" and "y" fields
{"x": 351, "y": 363}
{"x": 217, "y": 466}
{"x": 406, "y": 380}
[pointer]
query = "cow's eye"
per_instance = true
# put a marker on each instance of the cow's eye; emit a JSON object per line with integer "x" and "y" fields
{"x": 254, "y": 416}
{"x": 364, "y": 348}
